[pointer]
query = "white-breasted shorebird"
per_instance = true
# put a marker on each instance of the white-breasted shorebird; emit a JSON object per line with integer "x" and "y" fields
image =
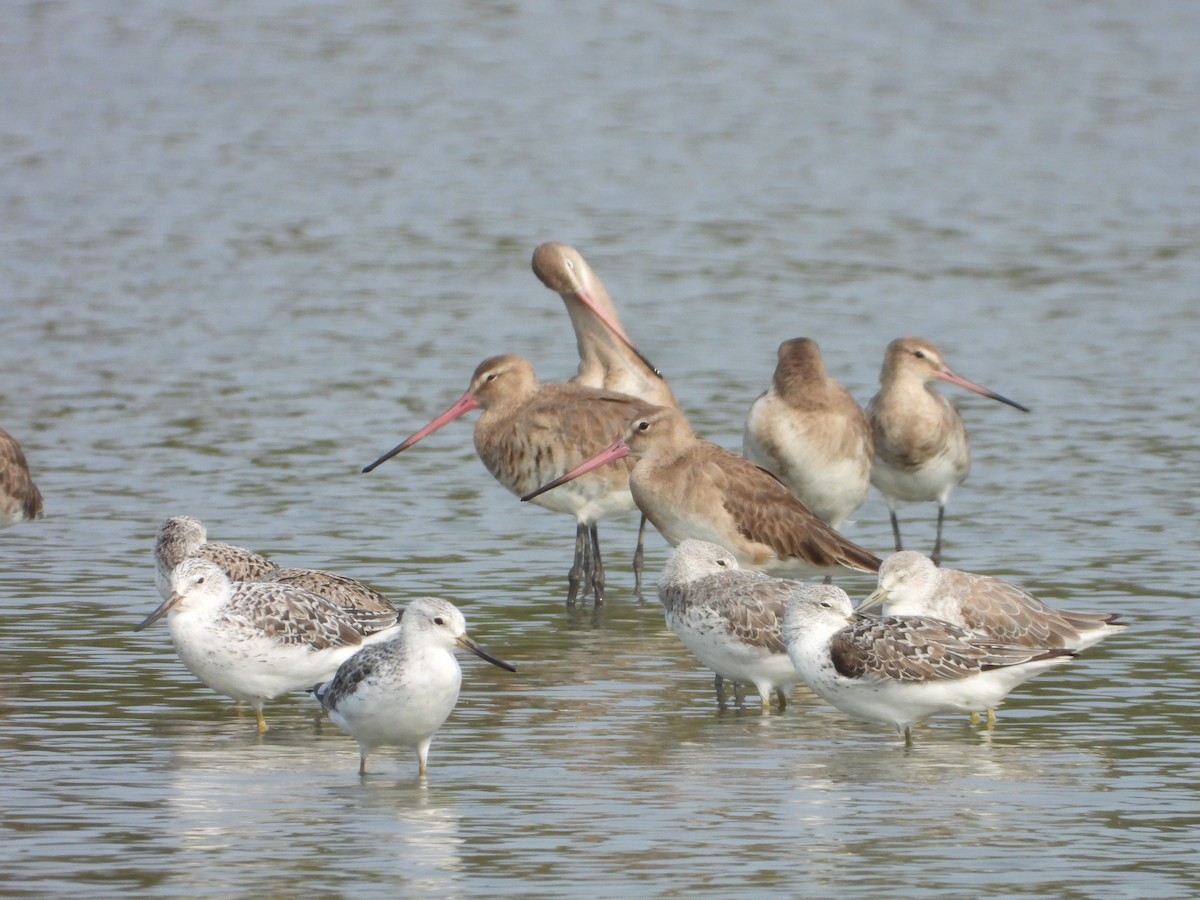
{"x": 921, "y": 448}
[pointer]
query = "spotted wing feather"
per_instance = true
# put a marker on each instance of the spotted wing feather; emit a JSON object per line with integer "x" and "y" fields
{"x": 291, "y": 616}
{"x": 1010, "y": 615}
{"x": 919, "y": 649}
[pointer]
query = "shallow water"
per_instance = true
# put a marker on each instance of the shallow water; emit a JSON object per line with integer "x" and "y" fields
{"x": 249, "y": 247}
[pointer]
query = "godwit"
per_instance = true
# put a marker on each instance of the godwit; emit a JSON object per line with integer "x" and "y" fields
{"x": 809, "y": 431}
{"x": 608, "y": 359}
{"x": 690, "y": 488}
{"x": 911, "y": 585}
{"x": 921, "y": 449}
{"x": 530, "y": 432}
{"x": 20, "y": 498}
{"x": 253, "y": 642}
{"x": 900, "y": 669}
{"x": 400, "y": 692}
{"x": 730, "y": 618}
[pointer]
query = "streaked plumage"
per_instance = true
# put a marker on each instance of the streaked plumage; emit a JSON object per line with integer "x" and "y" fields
{"x": 182, "y": 537}
{"x": 401, "y": 691}
{"x": 898, "y": 670}
{"x": 531, "y": 431}
{"x": 370, "y": 610}
{"x": 255, "y": 641}
{"x": 729, "y": 618}
{"x": 810, "y": 432}
{"x": 20, "y": 499}
{"x": 690, "y": 488}
{"x": 911, "y": 585}
{"x": 921, "y": 448}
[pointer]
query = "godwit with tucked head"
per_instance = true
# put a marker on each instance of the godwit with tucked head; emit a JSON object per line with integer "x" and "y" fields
{"x": 530, "y": 432}
{"x": 400, "y": 692}
{"x": 253, "y": 642}
{"x": 921, "y": 449}
{"x": 900, "y": 669}
{"x": 730, "y": 618}
{"x": 690, "y": 488}
{"x": 608, "y": 359}
{"x": 808, "y": 430}
{"x": 20, "y": 498}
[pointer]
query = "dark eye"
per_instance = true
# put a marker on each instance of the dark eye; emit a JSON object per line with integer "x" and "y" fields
{"x": 643, "y": 425}
{"x": 570, "y": 265}
{"x": 825, "y": 604}
{"x": 919, "y": 354}
{"x": 200, "y": 580}
{"x": 722, "y": 563}
{"x": 491, "y": 376}
{"x": 438, "y": 620}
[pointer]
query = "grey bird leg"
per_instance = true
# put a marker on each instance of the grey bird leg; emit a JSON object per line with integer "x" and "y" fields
{"x": 936, "y": 556}
{"x": 575, "y": 576}
{"x": 639, "y": 556}
{"x": 597, "y": 564}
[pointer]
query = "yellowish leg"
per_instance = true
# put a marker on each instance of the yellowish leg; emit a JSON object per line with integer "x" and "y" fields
{"x": 262, "y": 723}
{"x": 766, "y": 704}
{"x": 991, "y": 719}
{"x": 974, "y": 718}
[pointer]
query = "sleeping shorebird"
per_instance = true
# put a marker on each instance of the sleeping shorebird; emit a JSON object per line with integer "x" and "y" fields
{"x": 729, "y": 618}
{"x": 255, "y": 641}
{"x": 898, "y": 670}
{"x": 921, "y": 449}
{"x": 691, "y": 488}
{"x": 809, "y": 431}
{"x": 183, "y": 537}
{"x": 531, "y": 431}
{"x": 910, "y": 584}
{"x": 608, "y": 359}
{"x": 401, "y": 691}
{"x": 20, "y": 499}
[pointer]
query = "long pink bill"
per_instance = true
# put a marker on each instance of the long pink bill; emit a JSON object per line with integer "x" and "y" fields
{"x": 462, "y": 406}
{"x": 949, "y": 375}
{"x": 617, "y": 450}
{"x": 615, "y": 327}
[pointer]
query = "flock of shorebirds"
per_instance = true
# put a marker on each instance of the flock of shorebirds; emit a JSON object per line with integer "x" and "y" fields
{"x": 614, "y": 438}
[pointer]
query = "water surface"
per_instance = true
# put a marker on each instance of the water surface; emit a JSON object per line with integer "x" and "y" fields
{"x": 248, "y": 247}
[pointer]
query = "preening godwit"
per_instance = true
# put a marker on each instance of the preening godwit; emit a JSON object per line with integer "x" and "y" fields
{"x": 691, "y": 488}
{"x": 608, "y": 359}
{"x": 921, "y": 449}
{"x": 530, "y": 432}
{"x": 20, "y": 498}
{"x": 809, "y": 431}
